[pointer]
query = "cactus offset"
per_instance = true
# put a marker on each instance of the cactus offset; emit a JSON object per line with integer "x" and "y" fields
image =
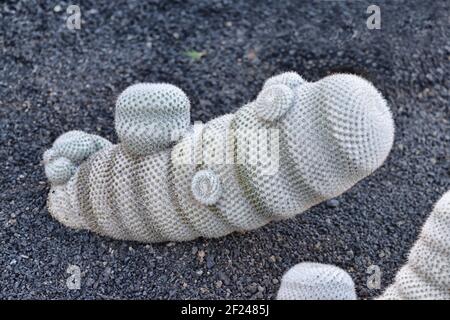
{"x": 149, "y": 115}
{"x": 426, "y": 275}
{"x": 316, "y": 281}
{"x": 169, "y": 181}
{"x": 67, "y": 152}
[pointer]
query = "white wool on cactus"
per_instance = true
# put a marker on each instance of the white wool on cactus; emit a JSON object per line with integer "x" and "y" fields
{"x": 299, "y": 143}
{"x": 426, "y": 274}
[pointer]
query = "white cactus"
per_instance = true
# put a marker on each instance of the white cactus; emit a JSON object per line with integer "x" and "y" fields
{"x": 169, "y": 181}
{"x": 67, "y": 152}
{"x": 426, "y": 275}
{"x": 316, "y": 281}
{"x": 148, "y": 115}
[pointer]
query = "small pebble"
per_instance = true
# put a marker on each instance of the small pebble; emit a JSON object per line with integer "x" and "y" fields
{"x": 210, "y": 261}
{"x": 201, "y": 254}
{"x": 252, "y": 288}
{"x": 332, "y": 203}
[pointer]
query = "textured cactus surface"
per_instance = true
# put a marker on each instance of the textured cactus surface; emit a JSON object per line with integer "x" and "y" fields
{"x": 148, "y": 115}
{"x": 315, "y": 281}
{"x": 298, "y": 144}
{"x": 426, "y": 275}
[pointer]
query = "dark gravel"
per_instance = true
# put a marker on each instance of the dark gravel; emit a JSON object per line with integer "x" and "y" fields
{"x": 53, "y": 80}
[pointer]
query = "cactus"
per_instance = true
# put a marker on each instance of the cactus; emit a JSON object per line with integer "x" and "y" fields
{"x": 143, "y": 129}
{"x": 298, "y": 144}
{"x": 316, "y": 281}
{"x": 426, "y": 274}
{"x": 68, "y": 151}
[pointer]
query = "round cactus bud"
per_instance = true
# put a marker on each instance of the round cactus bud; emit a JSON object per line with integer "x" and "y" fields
{"x": 60, "y": 170}
{"x": 360, "y": 119}
{"x": 48, "y": 156}
{"x": 75, "y": 145}
{"x": 290, "y": 79}
{"x": 148, "y": 116}
{"x": 316, "y": 281}
{"x": 273, "y": 102}
{"x": 67, "y": 153}
{"x": 206, "y": 187}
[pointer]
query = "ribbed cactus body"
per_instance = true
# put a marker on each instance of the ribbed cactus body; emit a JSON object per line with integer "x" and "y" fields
{"x": 296, "y": 145}
{"x": 124, "y": 197}
{"x": 426, "y": 274}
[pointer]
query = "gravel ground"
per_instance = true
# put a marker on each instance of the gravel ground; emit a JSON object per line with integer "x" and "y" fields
{"x": 53, "y": 80}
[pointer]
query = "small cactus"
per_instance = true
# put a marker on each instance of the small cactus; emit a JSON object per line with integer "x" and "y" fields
{"x": 206, "y": 187}
{"x": 426, "y": 275}
{"x": 149, "y": 116}
{"x": 273, "y": 102}
{"x": 67, "y": 152}
{"x": 290, "y": 79}
{"x": 313, "y": 281}
{"x": 169, "y": 181}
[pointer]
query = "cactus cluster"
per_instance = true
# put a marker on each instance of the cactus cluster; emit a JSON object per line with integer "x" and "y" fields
{"x": 298, "y": 144}
{"x": 426, "y": 274}
{"x": 67, "y": 152}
